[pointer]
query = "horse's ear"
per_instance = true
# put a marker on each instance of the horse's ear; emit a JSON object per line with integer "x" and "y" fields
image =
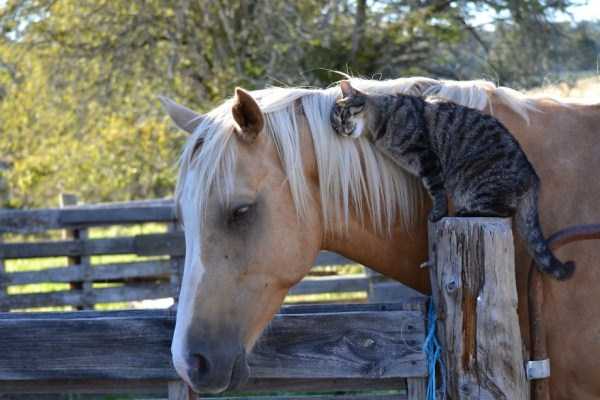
{"x": 184, "y": 118}
{"x": 247, "y": 115}
{"x": 348, "y": 90}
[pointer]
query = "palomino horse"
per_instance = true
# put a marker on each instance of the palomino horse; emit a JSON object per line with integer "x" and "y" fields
{"x": 265, "y": 185}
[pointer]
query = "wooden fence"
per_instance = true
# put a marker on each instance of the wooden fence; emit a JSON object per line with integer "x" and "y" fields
{"x": 306, "y": 348}
{"x": 324, "y": 348}
{"x": 154, "y": 268}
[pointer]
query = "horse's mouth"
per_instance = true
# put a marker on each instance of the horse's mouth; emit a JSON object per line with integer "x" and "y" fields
{"x": 239, "y": 373}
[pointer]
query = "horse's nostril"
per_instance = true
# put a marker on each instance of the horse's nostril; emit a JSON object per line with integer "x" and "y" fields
{"x": 202, "y": 365}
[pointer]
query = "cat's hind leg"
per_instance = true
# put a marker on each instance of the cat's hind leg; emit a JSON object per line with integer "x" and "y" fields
{"x": 495, "y": 206}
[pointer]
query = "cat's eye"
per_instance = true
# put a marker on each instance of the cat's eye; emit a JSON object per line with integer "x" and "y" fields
{"x": 355, "y": 110}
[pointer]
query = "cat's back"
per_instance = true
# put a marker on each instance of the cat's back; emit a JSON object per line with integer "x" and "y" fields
{"x": 464, "y": 123}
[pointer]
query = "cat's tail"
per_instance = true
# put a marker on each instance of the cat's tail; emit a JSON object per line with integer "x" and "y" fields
{"x": 528, "y": 226}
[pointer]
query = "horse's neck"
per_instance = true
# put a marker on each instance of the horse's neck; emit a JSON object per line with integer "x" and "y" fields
{"x": 398, "y": 256}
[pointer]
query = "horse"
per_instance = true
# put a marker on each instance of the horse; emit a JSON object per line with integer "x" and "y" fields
{"x": 264, "y": 184}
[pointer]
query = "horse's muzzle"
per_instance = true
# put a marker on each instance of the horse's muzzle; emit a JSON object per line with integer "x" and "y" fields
{"x": 216, "y": 371}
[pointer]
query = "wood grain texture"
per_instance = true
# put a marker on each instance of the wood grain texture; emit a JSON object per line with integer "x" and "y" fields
{"x": 328, "y": 284}
{"x": 159, "y": 269}
{"x": 474, "y": 289}
{"x": 345, "y": 345}
{"x": 142, "y": 245}
{"x": 127, "y": 292}
{"x": 416, "y": 388}
{"x": 372, "y": 345}
{"x": 107, "y": 386}
{"x": 170, "y": 243}
{"x": 3, "y": 284}
{"x": 39, "y": 220}
{"x": 84, "y": 285}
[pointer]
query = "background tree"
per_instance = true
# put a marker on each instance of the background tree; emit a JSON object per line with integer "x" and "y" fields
{"x": 79, "y": 78}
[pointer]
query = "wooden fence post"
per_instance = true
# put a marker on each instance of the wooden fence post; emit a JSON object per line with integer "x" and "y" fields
{"x": 85, "y": 286}
{"x": 416, "y": 388}
{"x": 3, "y": 286}
{"x": 474, "y": 289}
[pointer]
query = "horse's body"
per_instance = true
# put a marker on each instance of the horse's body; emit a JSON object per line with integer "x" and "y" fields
{"x": 350, "y": 200}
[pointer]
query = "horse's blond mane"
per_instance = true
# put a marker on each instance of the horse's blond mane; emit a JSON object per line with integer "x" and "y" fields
{"x": 378, "y": 189}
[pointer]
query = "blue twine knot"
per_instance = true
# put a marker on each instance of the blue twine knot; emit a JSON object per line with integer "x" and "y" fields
{"x": 433, "y": 353}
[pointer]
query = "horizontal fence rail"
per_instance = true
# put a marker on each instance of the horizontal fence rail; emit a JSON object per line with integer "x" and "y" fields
{"x": 156, "y": 275}
{"x": 322, "y": 347}
{"x": 40, "y": 220}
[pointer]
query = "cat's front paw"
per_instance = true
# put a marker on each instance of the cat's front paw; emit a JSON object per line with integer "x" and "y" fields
{"x": 436, "y": 214}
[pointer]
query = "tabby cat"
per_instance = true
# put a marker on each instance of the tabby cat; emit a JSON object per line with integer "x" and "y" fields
{"x": 456, "y": 151}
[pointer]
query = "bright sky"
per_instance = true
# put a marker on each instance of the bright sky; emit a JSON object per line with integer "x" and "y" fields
{"x": 590, "y": 11}
{"x": 587, "y": 11}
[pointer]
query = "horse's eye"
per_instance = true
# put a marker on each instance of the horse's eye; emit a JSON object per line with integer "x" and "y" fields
{"x": 240, "y": 212}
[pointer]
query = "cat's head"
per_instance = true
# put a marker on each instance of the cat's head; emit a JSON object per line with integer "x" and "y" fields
{"x": 348, "y": 116}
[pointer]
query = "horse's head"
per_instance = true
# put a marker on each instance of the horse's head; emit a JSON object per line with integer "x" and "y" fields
{"x": 245, "y": 245}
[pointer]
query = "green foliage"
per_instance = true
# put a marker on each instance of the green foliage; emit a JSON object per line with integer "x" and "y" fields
{"x": 79, "y": 78}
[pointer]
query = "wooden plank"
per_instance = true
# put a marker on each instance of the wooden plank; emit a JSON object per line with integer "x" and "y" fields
{"x": 154, "y": 386}
{"x": 84, "y": 285}
{"x": 170, "y": 243}
{"x": 311, "y": 384}
{"x": 143, "y": 245}
{"x": 156, "y": 396}
{"x": 127, "y": 292}
{"x": 474, "y": 289}
{"x": 328, "y": 284}
{"x": 39, "y": 220}
{"x": 415, "y": 305}
{"x": 3, "y": 274}
{"x": 333, "y": 396}
{"x": 159, "y": 269}
{"x": 136, "y": 346}
{"x": 416, "y": 388}
{"x": 374, "y": 345}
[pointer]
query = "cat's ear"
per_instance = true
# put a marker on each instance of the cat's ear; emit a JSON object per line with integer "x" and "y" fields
{"x": 247, "y": 115}
{"x": 348, "y": 90}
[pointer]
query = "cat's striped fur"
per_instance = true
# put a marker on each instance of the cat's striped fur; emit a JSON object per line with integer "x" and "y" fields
{"x": 458, "y": 152}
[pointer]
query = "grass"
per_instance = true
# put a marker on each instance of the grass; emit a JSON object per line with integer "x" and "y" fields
{"x": 585, "y": 87}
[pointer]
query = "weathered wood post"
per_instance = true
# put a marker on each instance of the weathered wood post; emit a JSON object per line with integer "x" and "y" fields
{"x": 473, "y": 285}
{"x": 3, "y": 286}
{"x": 85, "y": 286}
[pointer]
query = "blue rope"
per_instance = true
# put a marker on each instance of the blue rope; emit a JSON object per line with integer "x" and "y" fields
{"x": 433, "y": 352}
